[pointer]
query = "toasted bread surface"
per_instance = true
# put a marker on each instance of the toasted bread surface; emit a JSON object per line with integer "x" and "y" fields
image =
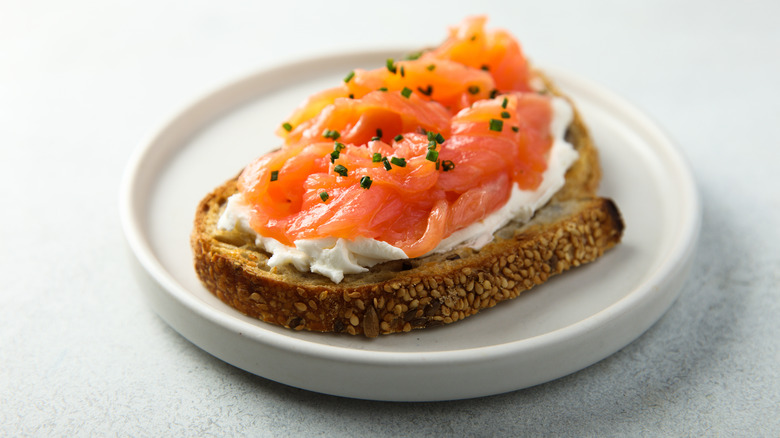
{"x": 575, "y": 227}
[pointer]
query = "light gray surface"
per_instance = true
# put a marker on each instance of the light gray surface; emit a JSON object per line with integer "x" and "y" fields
{"x": 82, "y": 83}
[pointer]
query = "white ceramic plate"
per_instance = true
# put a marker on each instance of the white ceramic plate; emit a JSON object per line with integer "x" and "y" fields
{"x": 558, "y": 328}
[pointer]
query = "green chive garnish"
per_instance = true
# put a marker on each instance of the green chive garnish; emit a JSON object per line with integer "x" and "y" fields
{"x": 351, "y": 96}
{"x": 447, "y": 165}
{"x": 377, "y": 157}
{"x": 515, "y": 129}
{"x": 379, "y": 133}
{"x": 334, "y": 156}
{"x": 439, "y": 138}
{"x": 432, "y": 155}
{"x": 406, "y": 92}
{"x": 413, "y": 56}
{"x": 274, "y": 175}
{"x": 333, "y": 135}
{"x": 400, "y": 162}
{"x": 386, "y": 163}
{"x": 375, "y": 138}
{"x": 287, "y": 127}
{"x": 324, "y": 196}
{"x": 505, "y": 101}
{"x": 505, "y": 115}
{"x": 426, "y": 91}
{"x": 390, "y": 63}
{"x": 485, "y": 67}
{"x": 338, "y": 146}
{"x": 431, "y": 136}
{"x": 403, "y": 73}
{"x": 365, "y": 182}
{"x": 349, "y": 76}
{"x": 432, "y": 144}
{"x": 473, "y": 89}
{"x": 496, "y": 125}
{"x": 493, "y": 94}
{"x": 341, "y": 170}
{"x": 431, "y": 67}
{"x": 382, "y": 88}
{"x": 398, "y": 137}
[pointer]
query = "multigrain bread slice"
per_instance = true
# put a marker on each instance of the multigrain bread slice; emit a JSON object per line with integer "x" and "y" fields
{"x": 575, "y": 227}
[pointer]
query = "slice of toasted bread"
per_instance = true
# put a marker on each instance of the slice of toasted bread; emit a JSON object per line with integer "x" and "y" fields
{"x": 575, "y": 227}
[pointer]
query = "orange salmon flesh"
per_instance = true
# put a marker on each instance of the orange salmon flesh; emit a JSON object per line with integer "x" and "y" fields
{"x": 407, "y": 153}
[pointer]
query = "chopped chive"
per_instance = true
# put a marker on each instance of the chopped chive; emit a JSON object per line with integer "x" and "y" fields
{"x": 447, "y": 165}
{"x": 341, "y": 170}
{"x": 505, "y": 115}
{"x": 379, "y": 133}
{"x": 432, "y": 155}
{"x": 382, "y": 88}
{"x": 473, "y": 89}
{"x": 324, "y": 196}
{"x": 431, "y": 136}
{"x": 515, "y": 129}
{"x": 504, "y": 103}
{"x": 438, "y": 164}
{"x": 274, "y": 175}
{"x": 473, "y": 38}
{"x": 334, "y": 156}
{"x": 365, "y": 182}
{"x": 351, "y": 96}
{"x": 375, "y": 138}
{"x": 413, "y": 56}
{"x": 390, "y": 64}
{"x": 406, "y": 92}
{"x": 338, "y": 146}
{"x": 377, "y": 157}
{"x": 349, "y": 76}
{"x": 386, "y": 163}
{"x": 400, "y": 162}
{"x": 485, "y": 67}
{"x": 496, "y": 125}
{"x": 426, "y": 91}
{"x": 398, "y": 137}
{"x": 431, "y": 67}
{"x": 403, "y": 73}
{"x": 493, "y": 94}
{"x": 333, "y": 135}
{"x": 439, "y": 138}
{"x": 432, "y": 144}
{"x": 287, "y": 126}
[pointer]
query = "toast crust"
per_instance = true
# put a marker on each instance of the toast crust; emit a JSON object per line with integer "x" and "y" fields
{"x": 574, "y": 228}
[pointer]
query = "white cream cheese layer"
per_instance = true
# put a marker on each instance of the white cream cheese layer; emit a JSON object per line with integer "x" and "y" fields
{"x": 334, "y": 258}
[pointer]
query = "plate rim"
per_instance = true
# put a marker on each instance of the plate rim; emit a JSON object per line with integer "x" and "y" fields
{"x": 142, "y": 250}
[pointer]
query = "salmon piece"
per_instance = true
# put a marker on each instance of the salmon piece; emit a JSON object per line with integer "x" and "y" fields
{"x": 494, "y": 51}
{"x": 408, "y": 153}
{"x": 357, "y": 120}
{"x": 521, "y": 118}
{"x": 478, "y": 202}
{"x": 452, "y": 84}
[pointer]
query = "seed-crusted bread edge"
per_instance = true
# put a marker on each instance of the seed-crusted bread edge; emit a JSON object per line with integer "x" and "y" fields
{"x": 574, "y": 228}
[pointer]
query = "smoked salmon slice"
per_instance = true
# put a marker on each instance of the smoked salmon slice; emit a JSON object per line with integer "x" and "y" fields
{"x": 409, "y": 152}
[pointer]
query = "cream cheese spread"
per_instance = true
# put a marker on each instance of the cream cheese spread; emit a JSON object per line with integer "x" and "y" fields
{"x": 334, "y": 258}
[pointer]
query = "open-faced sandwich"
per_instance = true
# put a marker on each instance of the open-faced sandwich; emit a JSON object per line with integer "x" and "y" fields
{"x": 410, "y": 196}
